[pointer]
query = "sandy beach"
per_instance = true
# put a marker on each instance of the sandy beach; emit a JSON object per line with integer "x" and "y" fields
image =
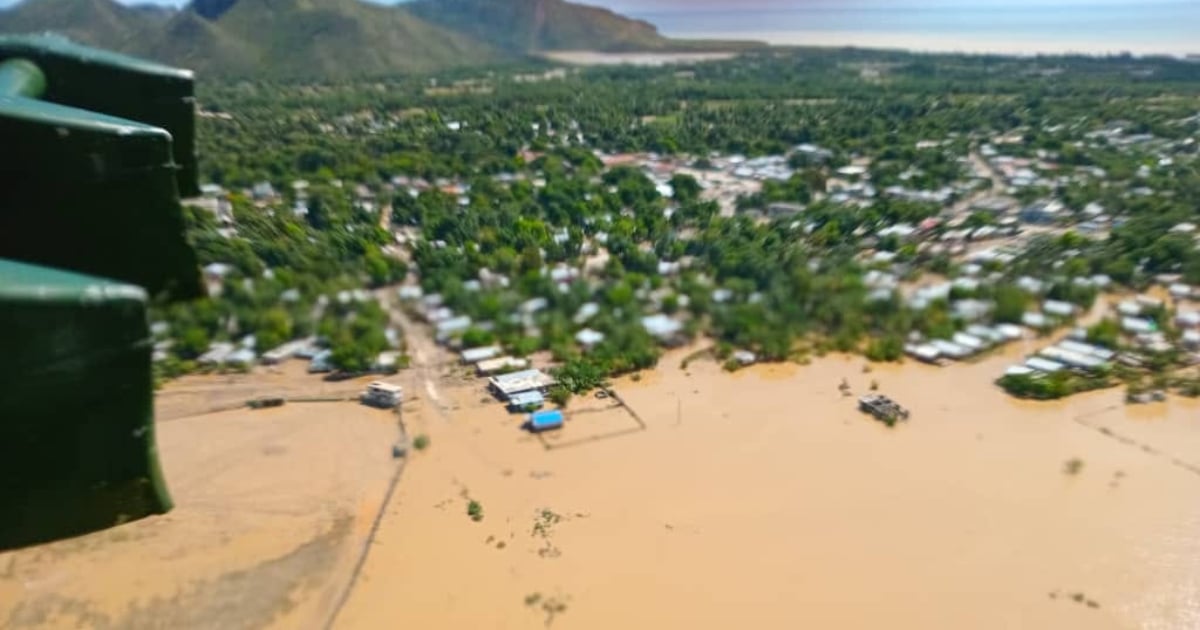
{"x": 765, "y": 499}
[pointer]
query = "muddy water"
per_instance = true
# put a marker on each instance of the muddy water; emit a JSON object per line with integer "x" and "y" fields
{"x": 764, "y": 499}
{"x": 272, "y": 511}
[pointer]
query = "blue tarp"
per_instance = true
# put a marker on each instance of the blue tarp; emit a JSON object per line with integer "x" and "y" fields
{"x": 544, "y": 420}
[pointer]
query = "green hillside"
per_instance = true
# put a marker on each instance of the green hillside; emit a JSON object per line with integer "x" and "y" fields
{"x": 102, "y": 23}
{"x": 336, "y": 38}
{"x": 534, "y": 25}
{"x": 327, "y": 38}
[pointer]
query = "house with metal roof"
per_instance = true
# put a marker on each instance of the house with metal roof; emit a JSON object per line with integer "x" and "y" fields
{"x": 927, "y": 353}
{"x": 489, "y": 367}
{"x": 950, "y": 349}
{"x": 588, "y": 338}
{"x": 475, "y": 355}
{"x": 451, "y": 327}
{"x": 662, "y": 327}
{"x": 507, "y": 385}
{"x": 971, "y": 342}
{"x": 1058, "y": 308}
{"x": 1138, "y": 325}
{"x": 1069, "y": 358}
{"x": 526, "y": 401}
{"x": 1044, "y": 365}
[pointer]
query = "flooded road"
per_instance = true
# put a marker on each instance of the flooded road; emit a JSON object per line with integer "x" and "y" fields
{"x": 765, "y": 499}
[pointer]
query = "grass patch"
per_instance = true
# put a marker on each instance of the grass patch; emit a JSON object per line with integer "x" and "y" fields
{"x": 1073, "y": 467}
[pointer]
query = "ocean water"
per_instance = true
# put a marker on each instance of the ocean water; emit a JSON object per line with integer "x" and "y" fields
{"x": 1151, "y": 26}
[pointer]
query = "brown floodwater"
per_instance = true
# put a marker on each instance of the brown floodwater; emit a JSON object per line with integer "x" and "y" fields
{"x": 765, "y": 499}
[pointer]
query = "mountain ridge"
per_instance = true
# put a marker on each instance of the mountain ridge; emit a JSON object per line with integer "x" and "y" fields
{"x": 335, "y": 38}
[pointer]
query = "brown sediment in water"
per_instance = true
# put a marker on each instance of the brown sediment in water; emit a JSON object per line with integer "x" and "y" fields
{"x": 272, "y": 512}
{"x": 766, "y": 499}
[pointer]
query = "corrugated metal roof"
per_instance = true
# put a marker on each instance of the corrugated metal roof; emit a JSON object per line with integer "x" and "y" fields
{"x": 527, "y": 398}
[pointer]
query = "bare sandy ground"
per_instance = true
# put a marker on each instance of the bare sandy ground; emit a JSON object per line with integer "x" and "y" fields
{"x": 272, "y": 512}
{"x": 765, "y": 499}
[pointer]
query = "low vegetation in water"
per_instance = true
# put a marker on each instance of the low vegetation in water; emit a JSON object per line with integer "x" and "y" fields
{"x": 1073, "y": 466}
{"x": 475, "y": 510}
{"x": 1053, "y": 386}
{"x": 421, "y": 442}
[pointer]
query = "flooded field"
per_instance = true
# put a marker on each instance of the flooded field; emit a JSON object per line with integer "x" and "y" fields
{"x": 762, "y": 498}
{"x": 272, "y": 512}
{"x": 765, "y": 499}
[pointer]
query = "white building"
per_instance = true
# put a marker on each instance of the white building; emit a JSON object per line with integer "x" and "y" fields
{"x": 500, "y": 364}
{"x": 475, "y": 355}
{"x": 526, "y": 381}
{"x": 385, "y": 395}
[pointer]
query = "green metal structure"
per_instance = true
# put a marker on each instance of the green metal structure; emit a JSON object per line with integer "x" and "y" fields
{"x": 95, "y": 151}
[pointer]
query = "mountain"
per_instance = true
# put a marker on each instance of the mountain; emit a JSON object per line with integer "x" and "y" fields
{"x": 261, "y": 38}
{"x": 325, "y": 38}
{"x": 335, "y": 38}
{"x": 537, "y": 25}
{"x": 103, "y": 23}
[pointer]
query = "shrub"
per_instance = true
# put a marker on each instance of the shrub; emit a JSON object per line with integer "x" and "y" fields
{"x": 421, "y": 442}
{"x": 475, "y": 510}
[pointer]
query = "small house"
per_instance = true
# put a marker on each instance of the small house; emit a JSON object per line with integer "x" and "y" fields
{"x": 475, "y": 355}
{"x": 1046, "y": 366}
{"x": 383, "y": 395}
{"x": 951, "y": 350}
{"x": 972, "y": 310}
{"x": 451, "y": 327}
{"x": 1180, "y": 291}
{"x": 1058, "y": 308}
{"x": 745, "y": 357}
{"x": 588, "y": 338}
{"x": 526, "y": 402}
{"x": 1188, "y": 319}
{"x": 1011, "y": 332}
{"x": 971, "y": 342}
{"x": 1020, "y": 370}
{"x": 489, "y": 367}
{"x": 662, "y": 327}
{"x": 507, "y": 385}
{"x": 321, "y": 363}
{"x": 586, "y": 312}
{"x": 926, "y": 353}
{"x": 1138, "y": 325}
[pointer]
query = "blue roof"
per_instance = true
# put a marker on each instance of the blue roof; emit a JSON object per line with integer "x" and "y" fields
{"x": 544, "y": 419}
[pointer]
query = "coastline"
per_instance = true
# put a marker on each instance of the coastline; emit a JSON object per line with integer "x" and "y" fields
{"x": 948, "y": 44}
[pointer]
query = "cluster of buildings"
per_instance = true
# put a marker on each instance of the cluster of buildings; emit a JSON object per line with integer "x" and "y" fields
{"x": 1141, "y": 335}
{"x": 1069, "y": 354}
{"x": 972, "y": 341}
